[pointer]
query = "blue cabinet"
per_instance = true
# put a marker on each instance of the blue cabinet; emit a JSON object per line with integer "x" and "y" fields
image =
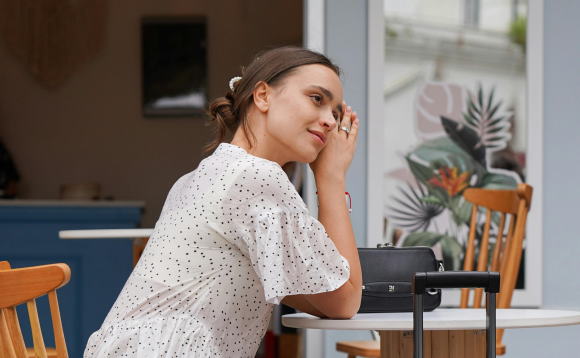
{"x": 99, "y": 267}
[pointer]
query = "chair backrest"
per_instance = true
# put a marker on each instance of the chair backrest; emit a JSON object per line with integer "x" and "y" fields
{"x": 503, "y": 214}
{"x": 24, "y": 285}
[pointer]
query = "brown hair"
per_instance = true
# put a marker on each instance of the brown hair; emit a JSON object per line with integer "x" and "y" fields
{"x": 271, "y": 66}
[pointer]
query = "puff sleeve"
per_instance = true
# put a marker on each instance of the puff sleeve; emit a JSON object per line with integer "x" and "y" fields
{"x": 289, "y": 249}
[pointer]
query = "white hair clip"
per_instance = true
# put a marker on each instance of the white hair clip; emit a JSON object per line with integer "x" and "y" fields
{"x": 233, "y": 81}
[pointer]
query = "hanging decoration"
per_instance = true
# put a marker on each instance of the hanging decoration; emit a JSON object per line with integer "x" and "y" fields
{"x": 52, "y": 38}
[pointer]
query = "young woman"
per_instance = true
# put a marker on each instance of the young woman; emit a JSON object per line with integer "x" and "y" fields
{"x": 234, "y": 237}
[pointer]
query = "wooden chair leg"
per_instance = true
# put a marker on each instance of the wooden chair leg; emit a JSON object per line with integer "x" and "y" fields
{"x": 138, "y": 248}
{"x": 355, "y": 349}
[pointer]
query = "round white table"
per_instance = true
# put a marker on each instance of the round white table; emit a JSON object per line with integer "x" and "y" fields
{"x": 139, "y": 237}
{"x": 449, "y": 332}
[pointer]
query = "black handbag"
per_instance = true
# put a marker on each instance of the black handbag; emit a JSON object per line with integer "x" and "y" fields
{"x": 387, "y": 274}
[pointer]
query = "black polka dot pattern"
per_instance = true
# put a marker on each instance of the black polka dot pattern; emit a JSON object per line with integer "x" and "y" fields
{"x": 233, "y": 238}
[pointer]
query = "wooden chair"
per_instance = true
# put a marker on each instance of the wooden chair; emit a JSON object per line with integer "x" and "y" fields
{"x": 501, "y": 209}
{"x": 353, "y": 349}
{"x": 138, "y": 248}
{"x": 24, "y": 285}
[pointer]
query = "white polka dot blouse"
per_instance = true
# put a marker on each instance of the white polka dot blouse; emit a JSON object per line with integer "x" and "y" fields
{"x": 233, "y": 239}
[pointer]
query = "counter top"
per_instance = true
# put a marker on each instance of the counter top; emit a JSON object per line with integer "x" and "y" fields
{"x": 105, "y": 234}
{"x": 68, "y": 203}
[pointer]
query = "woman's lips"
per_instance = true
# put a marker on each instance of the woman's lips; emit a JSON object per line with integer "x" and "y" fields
{"x": 319, "y": 135}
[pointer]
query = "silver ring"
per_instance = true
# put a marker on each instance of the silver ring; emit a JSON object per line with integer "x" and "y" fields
{"x": 346, "y": 129}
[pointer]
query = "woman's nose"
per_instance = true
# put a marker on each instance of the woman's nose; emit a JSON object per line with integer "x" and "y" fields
{"x": 329, "y": 121}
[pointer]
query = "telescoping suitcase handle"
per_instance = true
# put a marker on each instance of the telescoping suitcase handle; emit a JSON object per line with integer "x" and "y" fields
{"x": 454, "y": 279}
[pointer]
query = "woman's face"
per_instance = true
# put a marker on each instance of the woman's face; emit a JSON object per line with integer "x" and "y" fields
{"x": 302, "y": 111}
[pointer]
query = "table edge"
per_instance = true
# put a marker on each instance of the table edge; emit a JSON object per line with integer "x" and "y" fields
{"x": 311, "y": 322}
{"x": 105, "y": 234}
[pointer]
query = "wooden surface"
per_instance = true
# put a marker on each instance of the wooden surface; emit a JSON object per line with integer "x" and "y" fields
{"x": 497, "y": 210}
{"x": 24, "y": 285}
{"x": 59, "y": 339}
{"x": 359, "y": 348}
{"x": 50, "y": 353}
{"x": 138, "y": 248}
{"x": 289, "y": 345}
{"x": 436, "y": 344}
{"x": 504, "y": 206}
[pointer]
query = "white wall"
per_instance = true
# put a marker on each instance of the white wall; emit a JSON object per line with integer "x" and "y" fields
{"x": 346, "y": 44}
{"x": 561, "y": 195}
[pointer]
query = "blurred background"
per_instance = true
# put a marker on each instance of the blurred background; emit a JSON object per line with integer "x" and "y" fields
{"x": 71, "y": 89}
{"x": 102, "y": 108}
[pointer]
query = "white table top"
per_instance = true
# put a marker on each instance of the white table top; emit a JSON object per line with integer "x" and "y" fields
{"x": 439, "y": 319}
{"x": 105, "y": 234}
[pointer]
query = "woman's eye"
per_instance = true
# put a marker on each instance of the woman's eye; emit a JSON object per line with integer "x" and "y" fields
{"x": 316, "y": 98}
{"x": 335, "y": 115}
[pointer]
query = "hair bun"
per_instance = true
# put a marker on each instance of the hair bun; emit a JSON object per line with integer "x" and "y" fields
{"x": 222, "y": 109}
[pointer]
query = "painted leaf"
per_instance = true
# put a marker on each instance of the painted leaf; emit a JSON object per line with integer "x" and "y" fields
{"x": 485, "y": 118}
{"x": 425, "y": 238}
{"x": 452, "y": 252}
{"x": 498, "y": 181}
{"x": 466, "y": 138}
{"x": 432, "y": 199}
{"x": 421, "y": 172}
{"x": 461, "y": 210}
{"x": 411, "y": 212}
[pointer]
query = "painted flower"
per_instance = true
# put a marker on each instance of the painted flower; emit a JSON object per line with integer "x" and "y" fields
{"x": 450, "y": 181}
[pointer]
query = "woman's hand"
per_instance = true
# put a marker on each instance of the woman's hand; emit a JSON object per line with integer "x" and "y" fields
{"x": 329, "y": 171}
{"x": 335, "y": 158}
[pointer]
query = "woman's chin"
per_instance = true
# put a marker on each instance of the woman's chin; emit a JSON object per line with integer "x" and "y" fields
{"x": 307, "y": 154}
{"x": 311, "y": 157}
{"x": 306, "y": 158}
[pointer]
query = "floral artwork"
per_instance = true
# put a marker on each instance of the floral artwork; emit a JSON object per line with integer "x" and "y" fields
{"x": 458, "y": 132}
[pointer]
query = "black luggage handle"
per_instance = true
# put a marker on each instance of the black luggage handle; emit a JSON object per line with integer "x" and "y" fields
{"x": 455, "y": 279}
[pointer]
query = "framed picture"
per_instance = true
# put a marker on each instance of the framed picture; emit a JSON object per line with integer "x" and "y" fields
{"x": 174, "y": 66}
{"x": 435, "y": 87}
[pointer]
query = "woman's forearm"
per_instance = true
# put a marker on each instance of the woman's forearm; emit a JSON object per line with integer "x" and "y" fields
{"x": 300, "y": 303}
{"x": 333, "y": 214}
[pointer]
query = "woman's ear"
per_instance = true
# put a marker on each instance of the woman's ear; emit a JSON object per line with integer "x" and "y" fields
{"x": 261, "y": 96}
